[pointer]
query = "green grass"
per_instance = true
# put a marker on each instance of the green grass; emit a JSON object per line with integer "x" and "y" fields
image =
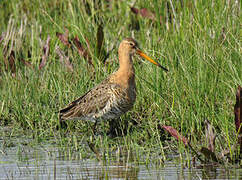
{"x": 204, "y": 69}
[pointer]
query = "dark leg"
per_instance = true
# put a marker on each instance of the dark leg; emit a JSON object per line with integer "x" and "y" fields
{"x": 94, "y": 128}
{"x": 115, "y": 128}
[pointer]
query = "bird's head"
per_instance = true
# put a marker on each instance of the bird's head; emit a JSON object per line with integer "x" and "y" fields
{"x": 130, "y": 46}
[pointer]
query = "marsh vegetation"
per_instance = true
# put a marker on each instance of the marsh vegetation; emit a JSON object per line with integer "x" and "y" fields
{"x": 52, "y": 52}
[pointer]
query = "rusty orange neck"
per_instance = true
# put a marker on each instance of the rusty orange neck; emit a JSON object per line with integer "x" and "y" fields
{"x": 125, "y": 76}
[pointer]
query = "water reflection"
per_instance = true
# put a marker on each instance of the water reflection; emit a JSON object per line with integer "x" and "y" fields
{"x": 37, "y": 163}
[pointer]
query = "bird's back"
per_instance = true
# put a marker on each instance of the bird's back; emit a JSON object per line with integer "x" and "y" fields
{"x": 107, "y": 100}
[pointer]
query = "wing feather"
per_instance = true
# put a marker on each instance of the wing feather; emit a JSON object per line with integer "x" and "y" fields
{"x": 89, "y": 104}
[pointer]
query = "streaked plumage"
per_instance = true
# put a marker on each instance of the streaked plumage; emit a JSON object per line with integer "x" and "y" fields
{"x": 112, "y": 97}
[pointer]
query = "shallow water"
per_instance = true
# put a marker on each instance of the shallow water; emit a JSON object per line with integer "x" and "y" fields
{"x": 48, "y": 163}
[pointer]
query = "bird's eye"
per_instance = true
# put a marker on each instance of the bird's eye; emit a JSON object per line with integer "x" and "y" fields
{"x": 131, "y": 44}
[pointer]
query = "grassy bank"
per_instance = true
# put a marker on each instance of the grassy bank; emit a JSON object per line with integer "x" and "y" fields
{"x": 198, "y": 41}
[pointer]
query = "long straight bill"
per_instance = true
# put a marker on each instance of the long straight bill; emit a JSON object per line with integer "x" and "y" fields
{"x": 149, "y": 59}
